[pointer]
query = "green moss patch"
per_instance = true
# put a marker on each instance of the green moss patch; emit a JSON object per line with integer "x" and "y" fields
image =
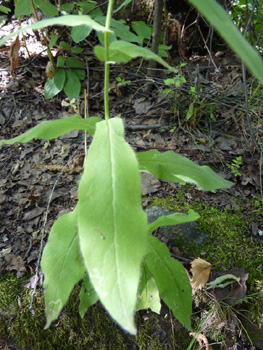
{"x": 231, "y": 243}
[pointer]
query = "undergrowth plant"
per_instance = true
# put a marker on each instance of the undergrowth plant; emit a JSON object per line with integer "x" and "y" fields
{"x": 235, "y": 165}
{"x": 106, "y": 241}
{"x": 65, "y": 76}
{"x": 244, "y": 12}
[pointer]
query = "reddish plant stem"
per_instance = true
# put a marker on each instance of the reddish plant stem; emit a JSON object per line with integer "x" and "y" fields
{"x": 43, "y": 35}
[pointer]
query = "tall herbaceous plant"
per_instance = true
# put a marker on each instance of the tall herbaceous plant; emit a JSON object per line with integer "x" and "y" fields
{"x": 106, "y": 241}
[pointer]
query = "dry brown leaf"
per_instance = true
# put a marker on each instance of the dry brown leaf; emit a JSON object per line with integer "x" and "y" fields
{"x": 201, "y": 338}
{"x": 50, "y": 70}
{"x": 15, "y": 262}
{"x": 14, "y": 54}
{"x": 46, "y": 145}
{"x": 200, "y": 271}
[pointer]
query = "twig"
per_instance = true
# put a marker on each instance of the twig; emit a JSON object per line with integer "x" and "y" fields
{"x": 142, "y": 127}
{"x": 86, "y": 108}
{"x": 43, "y": 35}
{"x": 157, "y": 24}
{"x": 36, "y": 276}
{"x": 29, "y": 248}
{"x": 207, "y": 48}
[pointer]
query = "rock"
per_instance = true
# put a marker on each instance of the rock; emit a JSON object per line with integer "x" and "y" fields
{"x": 188, "y": 231}
{"x": 234, "y": 293}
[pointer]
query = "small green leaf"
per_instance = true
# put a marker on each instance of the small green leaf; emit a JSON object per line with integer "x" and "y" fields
{"x": 80, "y": 33}
{"x": 72, "y": 85}
{"x": 51, "y": 89}
{"x": 77, "y": 49}
{"x": 149, "y": 295}
{"x": 75, "y": 62}
{"x": 48, "y": 9}
{"x": 162, "y": 53}
{"x": 112, "y": 222}
{"x": 54, "y": 128}
{"x": 169, "y": 81}
{"x": 64, "y": 45}
{"x": 62, "y": 264}
{"x": 86, "y": 6}
{"x": 67, "y": 8}
{"x": 190, "y": 111}
{"x": 141, "y": 29}
{"x": 4, "y": 9}
{"x": 171, "y": 279}
{"x": 170, "y": 166}
{"x": 126, "y": 2}
{"x": 59, "y": 78}
{"x": 61, "y": 61}
{"x": 22, "y": 8}
{"x": 53, "y": 41}
{"x": 173, "y": 219}
{"x": 223, "y": 281}
{"x": 87, "y": 296}
{"x": 126, "y": 35}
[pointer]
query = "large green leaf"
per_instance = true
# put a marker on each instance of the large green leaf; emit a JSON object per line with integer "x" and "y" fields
{"x": 218, "y": 17}
{"x": 54, "y": 128}
{"x": 171, "y": 279}
{"x": 62, "y": 264}
{"x": 121, "y": 51}
{"x": 112, "y": 224}
{"x": 68, "y": 20}
{"x": 173, "y": 219}
{"x": 170, "y": 166}
{"x": 149, "y": 295}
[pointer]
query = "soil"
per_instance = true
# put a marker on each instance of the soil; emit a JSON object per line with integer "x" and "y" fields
{"x": 215, "y": 135}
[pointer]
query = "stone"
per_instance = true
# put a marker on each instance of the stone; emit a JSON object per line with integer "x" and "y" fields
{"x": 188, "y": 231}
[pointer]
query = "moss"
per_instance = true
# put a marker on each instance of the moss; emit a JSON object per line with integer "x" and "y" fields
{"x": 96, "y": 331}
{"x": 155, "y": 332}
{"x": 230, "y": 242}
{"x": 69, "y": 332}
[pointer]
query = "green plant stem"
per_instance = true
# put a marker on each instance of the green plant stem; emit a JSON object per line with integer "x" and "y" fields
{"x": 107, "y": 64}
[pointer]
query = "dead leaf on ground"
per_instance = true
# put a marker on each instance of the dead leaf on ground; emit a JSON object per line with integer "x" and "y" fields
{"x": 15, "y": 262}
{"x": 202, "y": 340}
{"x": 14, "y": 55}
{"x": 200, "y": 271}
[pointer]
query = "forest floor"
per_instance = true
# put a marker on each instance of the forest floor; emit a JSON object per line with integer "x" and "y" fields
{"x": 213, "y": 132}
